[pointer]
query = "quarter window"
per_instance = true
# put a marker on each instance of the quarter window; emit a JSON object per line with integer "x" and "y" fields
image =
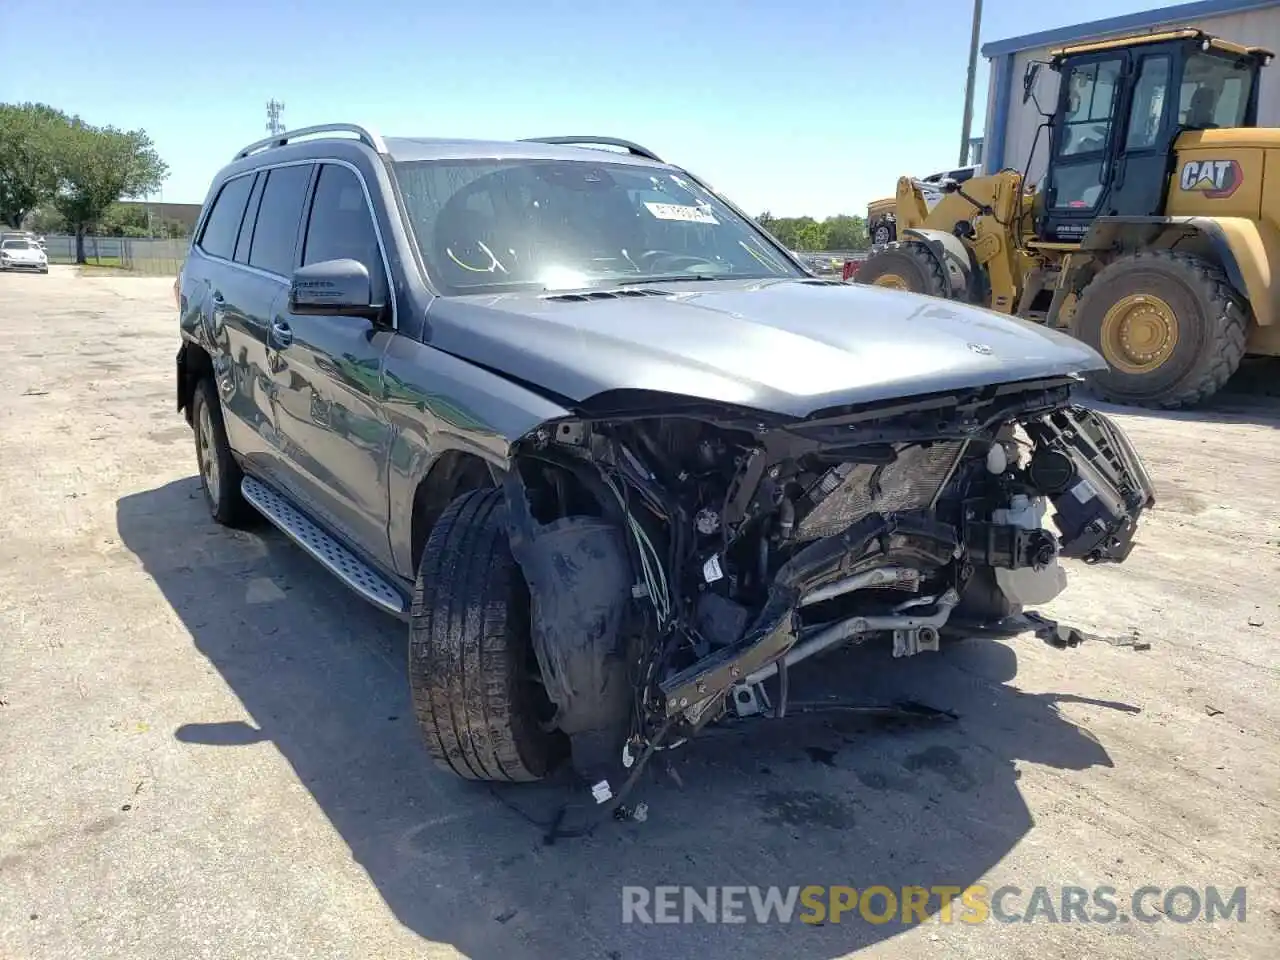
{"x": 275, "y": 233}
{"x": 219, "y": 236}
{"x": 250, "y": 215}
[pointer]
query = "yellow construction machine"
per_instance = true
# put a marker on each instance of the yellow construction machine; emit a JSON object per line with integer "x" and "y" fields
{"x": 1154, "y": 235}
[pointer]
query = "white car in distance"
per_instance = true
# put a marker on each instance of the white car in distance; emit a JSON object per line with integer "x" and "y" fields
{"x": 21, "y": 254}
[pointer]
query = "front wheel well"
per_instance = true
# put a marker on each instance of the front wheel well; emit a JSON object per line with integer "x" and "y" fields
{"x": 1113, "y": 239}
{"x": 454, "y": 473}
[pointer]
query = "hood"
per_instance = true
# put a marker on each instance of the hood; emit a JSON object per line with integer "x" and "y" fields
{"x": 789, "y": 347}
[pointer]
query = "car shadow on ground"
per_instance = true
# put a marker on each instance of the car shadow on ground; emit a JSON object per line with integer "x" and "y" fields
{"x": 816, "y": 799}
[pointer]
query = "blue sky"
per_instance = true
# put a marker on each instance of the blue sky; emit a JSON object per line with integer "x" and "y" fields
{"x": 796, "y": 108}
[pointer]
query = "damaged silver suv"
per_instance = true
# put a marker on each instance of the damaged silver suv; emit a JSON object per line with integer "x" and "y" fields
{"x": 614, "y": 456}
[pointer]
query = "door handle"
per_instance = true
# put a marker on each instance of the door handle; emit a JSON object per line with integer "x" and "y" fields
{"x": 281, "y": 333}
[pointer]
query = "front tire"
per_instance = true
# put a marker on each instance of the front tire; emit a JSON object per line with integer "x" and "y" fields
{"x": 1170, "y": 326}
{"x": 472, "y": 669}
{"x": 220, "y": 475}
{"x": 905, "y": 266}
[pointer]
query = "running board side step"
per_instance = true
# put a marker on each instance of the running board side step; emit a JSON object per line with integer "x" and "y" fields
{"x": 333, "y": 556}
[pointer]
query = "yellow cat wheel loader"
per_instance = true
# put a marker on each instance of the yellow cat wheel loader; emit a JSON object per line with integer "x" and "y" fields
{"x": 1154, "y": 235}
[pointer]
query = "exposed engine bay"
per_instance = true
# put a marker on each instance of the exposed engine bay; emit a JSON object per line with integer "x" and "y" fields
{"x": 682, "y": 557}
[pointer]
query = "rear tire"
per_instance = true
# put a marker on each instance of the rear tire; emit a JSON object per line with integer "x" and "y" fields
{"x": 220, "y": 475}
{"x": 1152, "y": 362}
{"x": 905, "y": 266}
{"x": 472, "y": 669}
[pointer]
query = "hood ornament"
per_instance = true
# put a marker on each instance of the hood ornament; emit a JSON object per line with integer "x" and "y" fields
{"x": 979, "y": 348}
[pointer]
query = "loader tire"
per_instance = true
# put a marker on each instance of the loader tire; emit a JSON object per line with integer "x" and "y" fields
{"x": 905, "y": 266}
{"x": 1170, "y": 326}
{"x": 472, "y": 669}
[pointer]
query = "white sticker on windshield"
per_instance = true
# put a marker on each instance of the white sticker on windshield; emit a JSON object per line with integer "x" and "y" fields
{"x": 678, "y": 211}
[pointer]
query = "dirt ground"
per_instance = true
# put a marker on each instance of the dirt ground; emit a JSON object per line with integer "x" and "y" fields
{"x": 206, "y": 746}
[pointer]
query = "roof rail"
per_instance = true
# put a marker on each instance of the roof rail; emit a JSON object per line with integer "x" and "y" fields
{"x": 279, "y": 140}
{"x": 632, "y": 148}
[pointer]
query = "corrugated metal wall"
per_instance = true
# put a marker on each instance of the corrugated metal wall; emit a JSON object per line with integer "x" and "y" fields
{"x": 1259, "y": 28}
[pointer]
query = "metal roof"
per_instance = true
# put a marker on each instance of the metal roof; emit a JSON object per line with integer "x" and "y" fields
{"x": 1135, "y": 22}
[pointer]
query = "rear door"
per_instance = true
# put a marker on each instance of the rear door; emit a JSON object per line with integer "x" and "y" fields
{"x": 266, "y": 252}
{"x": 228, "y": 302}
{"x": 328, "y": 372}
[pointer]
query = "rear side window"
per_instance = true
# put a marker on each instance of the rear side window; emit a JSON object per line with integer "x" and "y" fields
{"x": 275, "y": 234}
{"x": 219, "y": 236}
{"x": 341, "y": 225}
{"x": 246, "y": 231}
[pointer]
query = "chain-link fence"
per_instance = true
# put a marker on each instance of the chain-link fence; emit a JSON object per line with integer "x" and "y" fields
{"x": 140, "y": 255}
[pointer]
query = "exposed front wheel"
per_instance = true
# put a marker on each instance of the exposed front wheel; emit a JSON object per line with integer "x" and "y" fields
{"x": 473, "y": 674}
{"x": 1170, "y": 326}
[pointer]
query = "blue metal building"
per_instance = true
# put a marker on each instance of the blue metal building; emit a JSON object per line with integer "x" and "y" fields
{"x": 1010, "y": 124}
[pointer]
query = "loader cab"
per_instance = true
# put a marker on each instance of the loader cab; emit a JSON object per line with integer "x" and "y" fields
{"x": 1121, "y": 106}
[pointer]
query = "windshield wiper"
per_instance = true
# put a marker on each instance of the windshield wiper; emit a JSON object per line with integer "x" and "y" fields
{"x": 679, "y": 278}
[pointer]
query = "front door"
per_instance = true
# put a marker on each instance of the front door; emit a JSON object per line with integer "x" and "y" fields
{"x": 328, "y": 375}
{"x": 1083, "y": 156}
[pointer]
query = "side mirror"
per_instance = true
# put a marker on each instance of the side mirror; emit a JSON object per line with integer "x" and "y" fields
{"x": 1029, "y": 78}
{"x": 333, "y": 288}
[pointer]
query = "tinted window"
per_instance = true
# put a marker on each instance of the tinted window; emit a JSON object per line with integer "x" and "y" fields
{"x": 1148, "y": 103}
{"x": 341, "y": 225}
{"x": 219, "y": 236}
{"x": 246, "y": 231}
{"x": 275, "y": 233}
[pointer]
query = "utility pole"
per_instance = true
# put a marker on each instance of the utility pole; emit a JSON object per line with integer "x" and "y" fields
{"x": 968, "y": 84}
{"x": 274, "y": 108}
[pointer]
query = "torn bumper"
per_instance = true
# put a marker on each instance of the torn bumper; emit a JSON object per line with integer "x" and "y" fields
{"x": 908, "y": 540}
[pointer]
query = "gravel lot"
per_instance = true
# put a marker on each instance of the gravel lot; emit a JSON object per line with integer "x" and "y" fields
{"x": 206, "y": 746}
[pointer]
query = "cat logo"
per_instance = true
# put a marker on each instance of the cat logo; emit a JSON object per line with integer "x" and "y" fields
{"x": 1216, "y": 179}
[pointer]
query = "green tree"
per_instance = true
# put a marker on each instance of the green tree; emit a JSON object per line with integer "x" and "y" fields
{"x": 846, "y": 232}
{"x": 97, "y": 167}
{"x": 809, "y": 234}
{"x": 46, "y": 219}
{"x": 32, "y": 136}
{"x": 841, "y": 232}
